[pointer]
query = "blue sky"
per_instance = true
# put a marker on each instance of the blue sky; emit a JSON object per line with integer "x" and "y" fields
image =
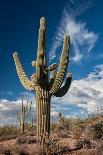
{"x": 82, "y": 20}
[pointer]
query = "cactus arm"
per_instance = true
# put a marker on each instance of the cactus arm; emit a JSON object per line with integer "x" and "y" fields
{"x": 62, "y": 66}
{"x": 63, "y": 90}
{"x": 29, "y": 109}
{"x": 52, "y": 78}
{"x": 26, "y": 107}
{"x": 24, "y": 112}
{"x": 41, "y": 55}
{"x": 17, "y": 117}
{"x": 41, "y": 41}
{"x": 51, "y": 67}
{"x": 33, "y": 63}
{"x": 29, "y": 85}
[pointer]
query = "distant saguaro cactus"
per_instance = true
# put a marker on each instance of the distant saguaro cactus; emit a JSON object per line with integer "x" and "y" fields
{"x": 24, "y": 113}
{"x": 40, "y": 82}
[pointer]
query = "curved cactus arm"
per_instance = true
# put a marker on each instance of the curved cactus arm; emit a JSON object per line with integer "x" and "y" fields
{"x": 63, "y": 90}
{"x": 62, "y": 66}
{"x": 51, "y": 67}
{"x": 29, "y": 85}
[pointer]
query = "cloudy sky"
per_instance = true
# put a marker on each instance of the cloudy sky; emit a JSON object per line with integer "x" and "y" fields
{"x": 82, "y": 21}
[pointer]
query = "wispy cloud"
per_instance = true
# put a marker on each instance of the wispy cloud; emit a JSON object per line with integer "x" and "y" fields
{"x": 6, "y": 93}
{"x": 96, "y": 56}
{"x": 82, "y": 39}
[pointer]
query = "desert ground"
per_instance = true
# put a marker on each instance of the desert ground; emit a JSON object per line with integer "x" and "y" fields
{"x": 68, "y": 137}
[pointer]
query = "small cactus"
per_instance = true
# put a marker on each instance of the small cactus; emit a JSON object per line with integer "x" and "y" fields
{"x": 25, "y": 112}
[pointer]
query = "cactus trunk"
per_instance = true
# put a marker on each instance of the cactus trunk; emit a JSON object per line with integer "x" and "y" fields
{"x": 43, "y": 112}
{"x": 22, "y": 117}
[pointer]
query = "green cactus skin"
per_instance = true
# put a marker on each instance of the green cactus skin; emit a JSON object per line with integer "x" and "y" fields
{"x": 40, "y": 82}
{"x": 24, "y": 113}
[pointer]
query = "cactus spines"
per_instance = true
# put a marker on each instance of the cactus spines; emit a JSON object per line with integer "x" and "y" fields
{"x": 25, "y": 111}
{"x": 64, "y": 89}
{"x": 40, "y": 83}
{"x": 22, "y": 76}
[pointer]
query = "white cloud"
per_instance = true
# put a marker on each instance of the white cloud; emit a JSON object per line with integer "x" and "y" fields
{"x": 82, "y": 39}
{"x": 8, "y": 110}
{"x": 54, "y": 113}
{"x": 85, "y": 94}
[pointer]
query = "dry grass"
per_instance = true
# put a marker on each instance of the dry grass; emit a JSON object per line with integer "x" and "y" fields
{"x": 9, "y": 130}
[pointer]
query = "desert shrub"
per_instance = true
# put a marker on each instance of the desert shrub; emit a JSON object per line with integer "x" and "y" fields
{"x": 79, "y": 145}
{"x": 88, "y": 152}
{"x": 86, "y": 144}
{"x": 29, "y": 133}
{"x": 6, "y": 149}
{"x": 8, "y": 137}
{"x": 62, "y": 134}
{"x": 49, "y": 149}
{"x": 12, "y": 132}
{"x": 77, "y": 133}
{"x": 8, "y": 130}
{"x": 64, "y": 123}
{"x": 25, "y": 140}
{"x": 76, "y": 124}
{"x": 51, "y": 145}
{"x": 22, "y": 152}
{"x": 100, "y": 145}
{"x": 96, "y": 131}
{"x": 70, "y": 124}
{"x": 19, "y": 150}
{"x": 55, "y": 127}
{"x": 76, "y": 127}
{"x": 30, "y": 128}
{"x": 38, "y": 150}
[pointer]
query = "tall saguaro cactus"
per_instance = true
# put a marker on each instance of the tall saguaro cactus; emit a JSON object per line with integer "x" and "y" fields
{"x": 40, "y": 82}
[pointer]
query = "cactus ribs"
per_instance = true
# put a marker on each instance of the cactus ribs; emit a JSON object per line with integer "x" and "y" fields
{"x": 40, "y": 82}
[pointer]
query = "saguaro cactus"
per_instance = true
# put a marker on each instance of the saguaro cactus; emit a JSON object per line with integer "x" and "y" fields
{"x": 40, "y": 82}
{"x": 24, "y": 113}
